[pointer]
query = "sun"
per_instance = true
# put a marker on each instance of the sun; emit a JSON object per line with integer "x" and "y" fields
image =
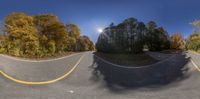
{"x": 100, "y": 30}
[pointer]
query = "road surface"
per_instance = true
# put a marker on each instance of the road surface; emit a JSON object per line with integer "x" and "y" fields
{"x": 86, "y": 82}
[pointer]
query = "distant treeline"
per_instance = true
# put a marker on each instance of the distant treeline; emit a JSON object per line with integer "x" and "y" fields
{"x": 40, "y": 35}
{"x": 133, "y": 36}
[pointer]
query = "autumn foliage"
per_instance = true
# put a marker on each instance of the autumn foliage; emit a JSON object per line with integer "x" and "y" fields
{"x": 193, "y": 42}
{"x": 177, "y": 41}
{"x": 40, "y": 35}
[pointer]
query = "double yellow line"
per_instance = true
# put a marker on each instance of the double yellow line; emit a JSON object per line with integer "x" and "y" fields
{"x": 43, "y": 82}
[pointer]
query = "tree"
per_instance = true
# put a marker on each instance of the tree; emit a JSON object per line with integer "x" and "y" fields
{"x": 151, "y": 26}
{"x": 40, "y": 35}
{"x": 151, "y": 35}
{"x": 193, "y": 42}
{"x": 73, "y": 30}
{"x": 48, "y": 26}
{"x": 126, "y": 37}
{"x": 4, "y": 44}
{"x": 131, "y": 36}
{"x": 156, "y": 37}
{"x": 74, "y": 34}
{"x": 164, "y": 40}
{"x": 21, "y": 34}
{"x": 51, "y": 47}
{"x": 84, "y": 44}
{"x": 177, "y": 41}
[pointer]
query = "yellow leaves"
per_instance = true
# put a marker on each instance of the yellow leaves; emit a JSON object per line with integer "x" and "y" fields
{"x": 19, "y": 24}
{"x": 193, "y": 42}
{"x": 21, "y": 33}
{"x": 194, "y": 37}
{"x": 19, "y": 20}
{"x": 177, "y": 41}
{"x": 44, "y": 20}
{"x": 73, "y": 30}
{"x": 51, "y": 46}
{"x": 85, "y": 44}
{"x": 43, "y": 38}
{"x": 39, "y": 35}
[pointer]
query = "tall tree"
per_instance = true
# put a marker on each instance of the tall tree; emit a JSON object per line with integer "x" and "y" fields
{"x": 74, "y": 34}
{"x": 126, "y": 37}
{"x": 177, "y": 41}
{"x": 151, "y": 35}
{"x": 73, "y": 30}
{"x": 193, "y": 42}
{"x": 85, "y": 44}
{"x": 156, "y": 37}
{"x": 51, "y": 30}
{"x": 21, "y": 34}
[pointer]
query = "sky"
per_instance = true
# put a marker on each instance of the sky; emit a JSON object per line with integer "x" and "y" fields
{"x": 91, "y": 15}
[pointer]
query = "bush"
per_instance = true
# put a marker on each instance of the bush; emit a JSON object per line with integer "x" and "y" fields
{"x": 193, "y": 42}
{"x": 194, "y": 45}
{"x": 51, "y": 47}
{"x": 177, "y": 42}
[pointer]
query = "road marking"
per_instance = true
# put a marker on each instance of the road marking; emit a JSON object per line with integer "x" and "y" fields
{"x": 43, "y": 82}
{"x": 194, "y": 52}
{"x": 195, "y": 65}
{"x": 129, "y": 67}
{"x": 27, "y": 60}
{"x": 71, "y": 91}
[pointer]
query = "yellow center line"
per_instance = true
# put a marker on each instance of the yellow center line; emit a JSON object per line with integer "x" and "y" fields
{"x": 195, "y": 65}
{"x": 43, "y": 82}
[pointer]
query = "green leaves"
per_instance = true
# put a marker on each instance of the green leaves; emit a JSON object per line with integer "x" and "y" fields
{"x": 193, "y": 42}
{"x": 131, "y": 36}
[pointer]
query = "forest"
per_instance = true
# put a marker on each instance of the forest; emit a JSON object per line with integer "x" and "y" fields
{"x": 40, "y": 35}
{"x": 133, "y": 36}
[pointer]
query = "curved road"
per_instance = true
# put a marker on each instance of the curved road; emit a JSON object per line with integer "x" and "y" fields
{"x": 36, "y": 71}
{"x": 83, "y": 84}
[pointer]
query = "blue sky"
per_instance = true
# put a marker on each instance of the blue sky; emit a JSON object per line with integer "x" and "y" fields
{"x": 89, "y": 15}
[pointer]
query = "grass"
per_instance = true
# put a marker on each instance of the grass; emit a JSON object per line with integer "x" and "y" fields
{"x": 127, "y": 59}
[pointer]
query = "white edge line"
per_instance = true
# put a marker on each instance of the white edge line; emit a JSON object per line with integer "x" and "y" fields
{"x": 194, "y": 64}
{"x": 194, "y": 52}
{"x": 28, "y": 60}
{"x": 124, "y": 66}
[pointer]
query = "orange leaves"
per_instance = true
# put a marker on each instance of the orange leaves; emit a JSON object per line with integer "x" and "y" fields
{"x": 177, "y": 42}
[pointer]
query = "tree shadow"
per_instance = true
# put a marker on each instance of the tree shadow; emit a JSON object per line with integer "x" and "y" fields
{"x": 156, "y": 75}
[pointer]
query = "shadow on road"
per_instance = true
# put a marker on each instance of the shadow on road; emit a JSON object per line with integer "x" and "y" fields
{"x": 157, "y": 75}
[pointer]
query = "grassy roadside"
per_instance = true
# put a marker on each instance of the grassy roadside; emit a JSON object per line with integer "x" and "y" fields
{"x": 127, "y": 59}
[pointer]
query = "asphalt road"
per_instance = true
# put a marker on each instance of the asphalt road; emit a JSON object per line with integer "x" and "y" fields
{"x": 86, "y": 82}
